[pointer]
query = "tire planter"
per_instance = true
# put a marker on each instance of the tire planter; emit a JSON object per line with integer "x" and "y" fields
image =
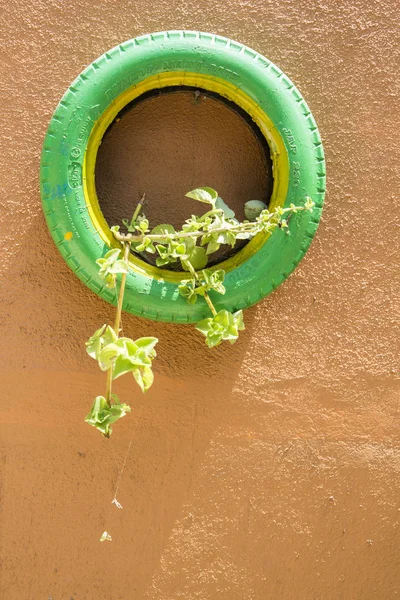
{"x": 199, "y": 60}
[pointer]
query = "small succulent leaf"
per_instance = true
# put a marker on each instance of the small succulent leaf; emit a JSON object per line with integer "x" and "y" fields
{"x": 120, "y": 266}
{"x": 142, "y": 225}
{"x": 163, "y": 229}
{"x": 94, "y": 343}
{"x": 187, "y": 290}
{"x": 103, "y": 336}
{"x": 160, "y": 262}
{"x": 213, "y": 339}
{"x": 244, "y": 235}
{"x": 238, "y": 316}
{"x": 309, "y": 204}
{"x": 201, "y": 290}
{"x": 197, "y": 258}
{"x": 112, "y": 255}
{"x": 204, "y": 325}
{"x": 111, "y": 281}
{"x": 107, "y": 355}
{"x": 102, "y": 415}
{"x": 223, "y": 326}
{"x": 110, "y": 265}
{"x": 121, "y": 366}
{"x": 228, "y": 212}
{"x": 147, "y": 344}
{"x": 190, "y": 244}
{"x": 212, "y": 246}
{"x": 115, "y": 399}
{"x": 222, "y": 318}
{"x": 203, "y": 194}
{"x": 253, "y": 208}
{"x": 134, "y": 354}
{"x": 144, "y": 378}
{"x": 217, "y": 223}
{"x": 206, "y": 275}
{"x": 128, "y": 345}
{"x": 218, "y": 276}
{"x": 180, "y": 249}
{"x": 162, "y": 251}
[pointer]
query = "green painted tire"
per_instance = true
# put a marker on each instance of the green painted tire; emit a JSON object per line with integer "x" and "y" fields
{"x": 200, "y": 60}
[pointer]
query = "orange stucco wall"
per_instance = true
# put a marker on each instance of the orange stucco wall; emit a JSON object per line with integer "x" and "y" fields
{"x": 267, "y": 470}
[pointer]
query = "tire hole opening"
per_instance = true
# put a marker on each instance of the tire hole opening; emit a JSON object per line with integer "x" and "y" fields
{"x": 172, "y": 140}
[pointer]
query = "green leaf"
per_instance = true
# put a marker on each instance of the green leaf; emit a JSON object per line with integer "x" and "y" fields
{"x": 103, "y": 336}
{"x": 112, "y": 255}
{"x": 142, "y": 225}
{"x": 111, "y": 281}
{"x": 204, "y": 326}
{"x": 212, "y": 246}
{"x": 110, "y": 266}
{"x": 204, "y": 194}
{"x": 223, "y": 326}
{"x": 133, "y": 355}
{"x": 102, "y": 415}
{"x": 160, "y": 262}
{"x": 122, "y": 366}
{"x": 187, "y": 289}
{"x": 216, "y": 280}
{"x": 253, "y": 208}
{"x": 144, "y": 378}
{"x": 193, "y": 224}
{"x": 107, "y": 355}
{"x": 163, "y": 229}
{"x": 180, "y": 249}
{"x": 228, "y": 212}
{"x": 145, "y": 244}
{"x": 197, "y": 258}
{"x": 309, "y": 204}
{"x": 147, "y": 344}
{"x": 238, "y": 316}
{"x": 244, "y": 235}
{"x": 120, "y": 266}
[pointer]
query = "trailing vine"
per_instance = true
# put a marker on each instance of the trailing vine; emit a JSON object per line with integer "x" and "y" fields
{"x": 200, "y": 237}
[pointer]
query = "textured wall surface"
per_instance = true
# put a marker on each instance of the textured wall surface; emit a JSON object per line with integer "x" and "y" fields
{"x": 266, "y": 470}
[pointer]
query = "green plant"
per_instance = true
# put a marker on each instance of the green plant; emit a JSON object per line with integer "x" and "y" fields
{"x": 200, "y": 237}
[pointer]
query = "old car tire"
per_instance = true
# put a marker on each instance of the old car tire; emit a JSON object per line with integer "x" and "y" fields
{"x": 199, "y": 60}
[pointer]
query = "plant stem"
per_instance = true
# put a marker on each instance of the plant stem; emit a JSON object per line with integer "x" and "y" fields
{"x": 129, "y": 237}
{"x": 137, "y": 210}
{"x": 210, "y": 304}
{"x": 121, "y": 291}
{"x": 206, "y": 296}
{"x": 117, "y": 322}
{"x": 243, "y": 227}
{"x": 109, "y": 386}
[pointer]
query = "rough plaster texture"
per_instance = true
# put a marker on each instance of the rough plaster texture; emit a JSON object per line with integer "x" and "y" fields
{"x": 266, "y": 470}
